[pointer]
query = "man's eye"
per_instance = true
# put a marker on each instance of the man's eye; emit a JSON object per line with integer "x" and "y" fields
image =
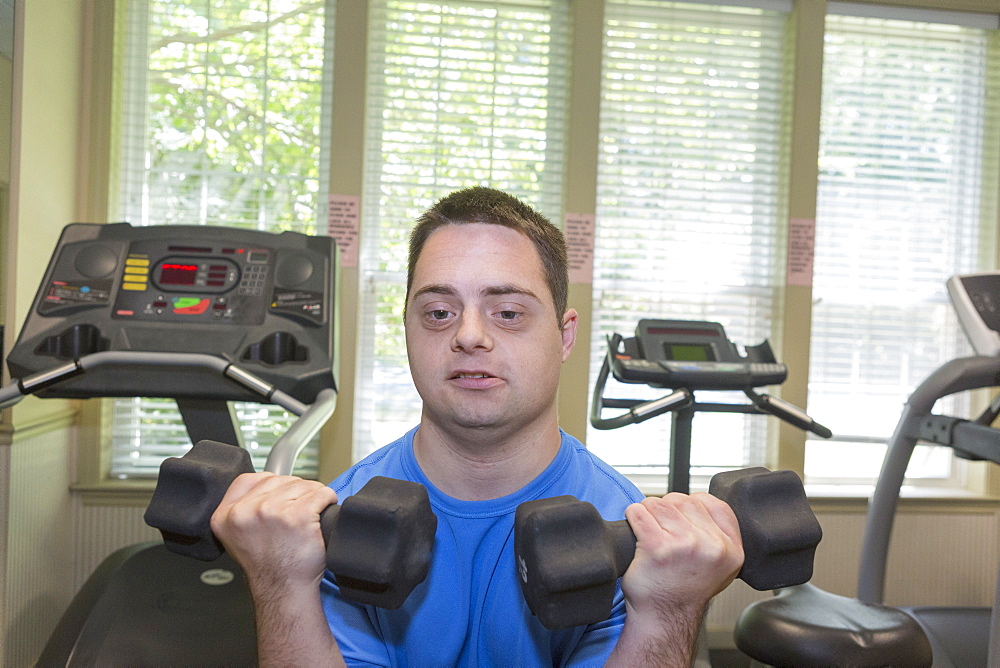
{"x": 438, "y": 314}
{"x": 508, "y": 315}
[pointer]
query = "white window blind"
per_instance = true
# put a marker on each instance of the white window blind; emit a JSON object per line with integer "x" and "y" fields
{"x": 459, "y": 94}
{"x": 223, "y": 107}
{"x": 901, "y": 207}
{"x": 689, "y": 206}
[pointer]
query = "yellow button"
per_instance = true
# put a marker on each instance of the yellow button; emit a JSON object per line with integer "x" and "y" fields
{"x": 133, "y": 286}
{"x": 136, "y": 262}
{"x": 137, "y": 270}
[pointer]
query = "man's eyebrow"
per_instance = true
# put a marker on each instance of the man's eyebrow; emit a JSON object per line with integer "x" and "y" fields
{"x": 490, "y": 291}
{"x": 508, "y": 289}
{"x": 433, "y": 290}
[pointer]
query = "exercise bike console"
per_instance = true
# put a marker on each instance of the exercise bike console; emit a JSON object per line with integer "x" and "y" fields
{"x": 975, "y": 298}
{"x": 693, "y": 355}
{"x": 687, "y": 356}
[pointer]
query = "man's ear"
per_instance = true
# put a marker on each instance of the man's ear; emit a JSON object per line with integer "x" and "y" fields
{"x": 570, "y": 320}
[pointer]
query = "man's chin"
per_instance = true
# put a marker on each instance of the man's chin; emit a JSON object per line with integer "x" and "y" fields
{"x": 480, "y": 422}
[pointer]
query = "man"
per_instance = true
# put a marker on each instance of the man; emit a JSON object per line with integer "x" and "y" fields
{"x": 487, "y": 330}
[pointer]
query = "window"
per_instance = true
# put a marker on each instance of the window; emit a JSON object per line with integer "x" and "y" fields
{"x": 902, "y": 206}
{"x": 222, "y": 111}
{"x": 689, "y": 207}
{"x": 459, "y": 94}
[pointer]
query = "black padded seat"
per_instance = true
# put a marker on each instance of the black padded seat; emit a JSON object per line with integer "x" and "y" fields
{"x": 146, "y": 606}
{"x": 806, "y": 626}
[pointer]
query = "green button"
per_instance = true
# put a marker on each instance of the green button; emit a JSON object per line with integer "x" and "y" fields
{"x": 185, "y": 302}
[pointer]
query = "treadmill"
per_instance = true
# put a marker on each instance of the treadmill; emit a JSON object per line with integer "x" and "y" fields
{"x": 205, "y": 316}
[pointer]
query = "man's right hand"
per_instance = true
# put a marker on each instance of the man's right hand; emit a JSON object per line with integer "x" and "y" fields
{"x": 270, "y": 525}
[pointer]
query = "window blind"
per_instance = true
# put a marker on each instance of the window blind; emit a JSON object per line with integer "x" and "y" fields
{"x": 902, "y": 206}
{"x": 222, "y": 108}
{"x": 459, "y": 93}
{"x": 689, "y": 208}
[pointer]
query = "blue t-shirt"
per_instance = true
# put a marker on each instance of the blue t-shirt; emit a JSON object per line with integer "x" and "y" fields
{"x": 470, "y": 610}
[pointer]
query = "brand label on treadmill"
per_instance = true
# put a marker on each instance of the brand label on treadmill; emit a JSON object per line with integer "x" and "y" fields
{"x": 217, "y": 577}
{"x": 298, "y": 303}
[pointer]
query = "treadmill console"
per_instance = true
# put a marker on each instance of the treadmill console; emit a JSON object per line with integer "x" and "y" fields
{"x": 264, "y": 301}
{"x": 976, "y": 299}
{"x": 696, "y": 355}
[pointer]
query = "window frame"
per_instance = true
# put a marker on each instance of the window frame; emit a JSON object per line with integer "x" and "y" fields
{"x": 962, "y": 474}
{"x": 346, "y": 168}
{"x": 753, "y": 428}
{"x": 95, "y": 476}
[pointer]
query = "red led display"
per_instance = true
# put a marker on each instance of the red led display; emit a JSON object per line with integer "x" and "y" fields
{"x": 178, "y": 274}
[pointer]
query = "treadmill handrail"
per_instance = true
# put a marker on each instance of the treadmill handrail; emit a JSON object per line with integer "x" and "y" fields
{"x": 38, "y": 381}
{"x": 958, "y": 375}
{"x": 286, "y": 449}
{"x": 311, "y": 417}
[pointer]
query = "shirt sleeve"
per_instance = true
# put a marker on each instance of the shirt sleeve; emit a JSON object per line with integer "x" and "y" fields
{"x": 354, "y": 628}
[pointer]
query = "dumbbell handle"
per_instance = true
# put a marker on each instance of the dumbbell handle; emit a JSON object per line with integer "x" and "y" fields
{"x": 801, "y": 536}
{"x": 623, "y": 540}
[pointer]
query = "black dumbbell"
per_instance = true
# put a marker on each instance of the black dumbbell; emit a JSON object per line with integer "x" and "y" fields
{"x": 378, "y": 541}
{"x": 569, "y": 558}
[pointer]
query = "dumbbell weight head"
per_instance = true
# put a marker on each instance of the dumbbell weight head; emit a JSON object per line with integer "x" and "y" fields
{"x": 569, "y": 560}
{"x": 779, "y": 530}
{"x": 188, "y": 490}
{"x": 379, "y": 541}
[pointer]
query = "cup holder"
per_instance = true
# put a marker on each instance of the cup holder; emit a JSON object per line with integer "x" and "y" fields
{"x": 276, "y": 348}
{"x": 73, "y": 343}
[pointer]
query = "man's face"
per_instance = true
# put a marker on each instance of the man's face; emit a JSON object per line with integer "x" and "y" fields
{"x": 484, "y": 343}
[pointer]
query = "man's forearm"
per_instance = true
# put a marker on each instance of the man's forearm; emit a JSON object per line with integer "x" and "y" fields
{"x": 664, "y": 642}
{"x": 292, "y": 630}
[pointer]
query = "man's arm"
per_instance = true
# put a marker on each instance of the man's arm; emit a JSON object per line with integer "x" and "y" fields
{"x": 270, "y": 526}
{"x": 688, "y": 550}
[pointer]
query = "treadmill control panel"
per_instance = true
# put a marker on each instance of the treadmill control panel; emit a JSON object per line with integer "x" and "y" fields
{"x": 168, "y": 282}
{"x": 696, "y": 355}
{"x": 265, "y": 301}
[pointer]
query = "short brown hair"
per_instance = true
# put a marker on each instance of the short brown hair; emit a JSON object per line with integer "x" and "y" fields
{"x": 494, "y": 207}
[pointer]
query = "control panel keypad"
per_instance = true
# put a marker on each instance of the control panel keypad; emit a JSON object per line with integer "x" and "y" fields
{"x": 254, "y": 280}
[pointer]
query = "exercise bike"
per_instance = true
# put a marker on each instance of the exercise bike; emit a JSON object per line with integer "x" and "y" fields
{"x": 203, "y": 315}
{"x": 685, "y": 357}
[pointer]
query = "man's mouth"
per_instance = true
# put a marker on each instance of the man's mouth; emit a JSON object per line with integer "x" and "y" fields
{"x": 463, "y": 374}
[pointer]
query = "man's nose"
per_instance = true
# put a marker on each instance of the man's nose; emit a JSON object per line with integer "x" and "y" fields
{"x": 472, "y": 333}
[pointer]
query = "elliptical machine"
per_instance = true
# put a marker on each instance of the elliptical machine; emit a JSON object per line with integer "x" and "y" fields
{"x": 806, "y": 626}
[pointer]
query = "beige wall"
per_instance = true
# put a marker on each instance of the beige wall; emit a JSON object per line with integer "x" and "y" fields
{"x": 36, "y": 537}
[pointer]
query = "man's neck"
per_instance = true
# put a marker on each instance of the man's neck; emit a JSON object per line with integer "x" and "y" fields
{"x": 475, "y": 465}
